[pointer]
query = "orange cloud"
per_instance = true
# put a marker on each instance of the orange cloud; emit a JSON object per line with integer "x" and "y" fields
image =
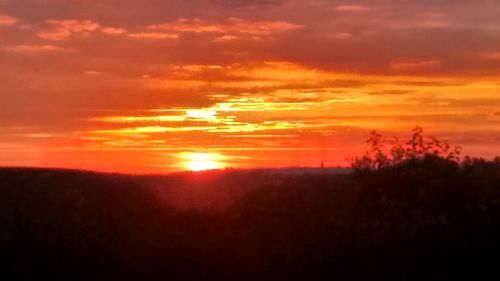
{"x": 232, "y": 25}
{"x": 351, "y": 8}
{"x": 153, "y": 35}
{"x": 433, "y": 20}
{"x": 490, "y": 56}
{"x": 63, "y": 29}
{"x": 6, "y": 20}
{"x": 30, "y": 49}
{"x": 113, "y": 30}
{"x": 226, "y": 38}
{"x": 415, "y": 64}
{"x": 341, "y": 35}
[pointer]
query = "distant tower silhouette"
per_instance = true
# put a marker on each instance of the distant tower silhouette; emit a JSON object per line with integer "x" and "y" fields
{"x": 322, "y": 153}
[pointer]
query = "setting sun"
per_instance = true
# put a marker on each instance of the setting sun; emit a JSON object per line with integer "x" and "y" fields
{"x": 202, "y": 161}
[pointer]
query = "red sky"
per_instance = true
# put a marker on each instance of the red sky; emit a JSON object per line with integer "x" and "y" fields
{"x": 136, "y": 86}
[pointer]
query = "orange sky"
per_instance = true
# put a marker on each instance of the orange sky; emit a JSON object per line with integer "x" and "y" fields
{"x": 145, "y": 86}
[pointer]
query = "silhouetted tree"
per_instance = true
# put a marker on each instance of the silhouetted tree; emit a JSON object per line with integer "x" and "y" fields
{"x": 416, "y": 148}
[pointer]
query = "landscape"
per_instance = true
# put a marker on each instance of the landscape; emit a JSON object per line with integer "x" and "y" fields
{"x": 428, "y": 216}
{"x": 249, "y": 140}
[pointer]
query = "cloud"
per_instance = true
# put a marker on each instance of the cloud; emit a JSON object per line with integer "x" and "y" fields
{"x": 153, "y": 35}
{"x": 32, "y": 49}
{"x": 249, "y": 3}
{"x": 415, "y": 64}
{"x": 6, "y": 20}
{"x": 63, "y": 29}
{"x": 393, "y": 92}
{"x": 113, "y": 30}
{"x": 495, "y": 56}
{"x": 351, "y": 8}
{"x": 434, "y": 20}
{"x": 341, "y": 35}
{"x": 226, "y": 38}
{"x": 232, "y": 25}
{"x": 92, "y": 72}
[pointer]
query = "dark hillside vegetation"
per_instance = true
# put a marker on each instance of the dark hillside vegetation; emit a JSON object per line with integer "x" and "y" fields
{"x": 425, "y": 217}
{"x": 428, "y": 218}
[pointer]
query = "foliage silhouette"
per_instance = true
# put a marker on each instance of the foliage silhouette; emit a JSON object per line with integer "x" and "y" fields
{"x": 417, "y": 148}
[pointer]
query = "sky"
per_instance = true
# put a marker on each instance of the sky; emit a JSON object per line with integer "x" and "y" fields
{"x": 165, "y": 85}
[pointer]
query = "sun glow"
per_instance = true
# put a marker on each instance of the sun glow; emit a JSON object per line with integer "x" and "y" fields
{"x": 203, "y": 114}
{"x": 202, "y": 161}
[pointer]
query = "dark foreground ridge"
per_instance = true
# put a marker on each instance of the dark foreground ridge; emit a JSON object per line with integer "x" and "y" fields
{"x": 427, "y": 219}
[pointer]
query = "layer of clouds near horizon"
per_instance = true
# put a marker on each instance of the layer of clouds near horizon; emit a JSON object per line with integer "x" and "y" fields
{"x": 80, "y": 76}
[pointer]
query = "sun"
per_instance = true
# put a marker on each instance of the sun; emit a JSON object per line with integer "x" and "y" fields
{"x": 202, "y": 161}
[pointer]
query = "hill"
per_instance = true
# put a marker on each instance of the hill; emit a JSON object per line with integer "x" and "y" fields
{"x": 430, "y": 218}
